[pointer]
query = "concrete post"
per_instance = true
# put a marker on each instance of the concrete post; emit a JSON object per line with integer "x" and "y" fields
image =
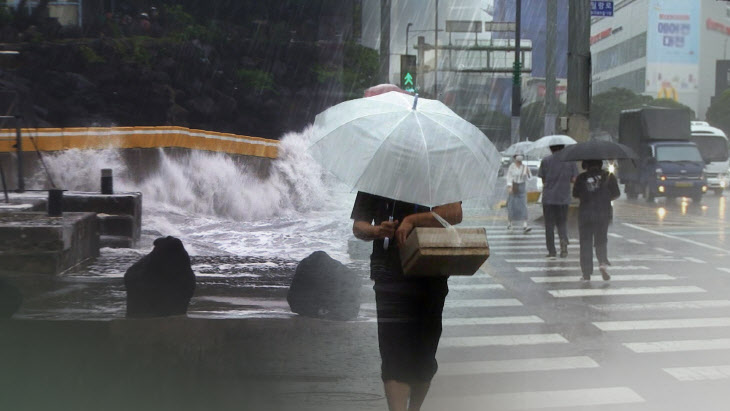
{"x": 517, "y": 75}
{"x": 579, "y": 69}
{"x": 107, "y": 182}
{"x": 55, "y": 202}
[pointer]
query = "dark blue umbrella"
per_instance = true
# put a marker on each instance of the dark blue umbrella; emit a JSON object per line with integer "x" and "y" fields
{"x": 596, "y": 150}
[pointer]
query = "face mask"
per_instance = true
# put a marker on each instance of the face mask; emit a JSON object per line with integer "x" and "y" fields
{"x": 518, "y": 158}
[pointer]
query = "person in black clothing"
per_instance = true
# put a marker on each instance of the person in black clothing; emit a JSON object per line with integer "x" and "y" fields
{"x": 595, "y": 188}
{"x": 409, "y": 308}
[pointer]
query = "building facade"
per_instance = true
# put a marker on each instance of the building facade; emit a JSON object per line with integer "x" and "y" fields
{"x": 661, "y": 48}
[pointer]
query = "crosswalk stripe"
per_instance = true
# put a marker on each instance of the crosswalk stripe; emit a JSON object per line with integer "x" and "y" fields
{"x": 519, "y": 365}
{"x": 475, "y": 287}
{"x": 658, "y": 258}
{"x": 727, "y": 270}
{"x": 687, "y": 240}
{"x": 671, "y": 305}
{"x": 566, "y": 268}
{"x": 695, "y": 260}
{"x": 614, "y": 235}
{"x": 516, "y": 236}
{"x": 716, "y": 372}
{"x": 491, "y": 302}
{"x": 501, "y": 241}
{"x": 538, "y": 399}
{"x": 664, "y": 250}
{"x": 528, "y": 319}
{"x": 591, "y": 292}
{"x": 637, "y": 277}
{"x": 662, "y": 324}
{"x": 678, "y": 346}
{"x": 524, "y": 247}
{"x": 632, "y": 241}
{"x": 492, "y": 340}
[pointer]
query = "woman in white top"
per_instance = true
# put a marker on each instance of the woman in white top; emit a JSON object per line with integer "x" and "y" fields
{"x": 517, "y": 175}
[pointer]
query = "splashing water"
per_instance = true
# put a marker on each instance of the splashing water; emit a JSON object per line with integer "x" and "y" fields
{"x": 218, "y": 205}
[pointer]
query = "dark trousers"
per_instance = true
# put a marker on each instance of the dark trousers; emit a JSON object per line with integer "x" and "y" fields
{"x": 555, "y": 215}
{"x": 593, "y": 232}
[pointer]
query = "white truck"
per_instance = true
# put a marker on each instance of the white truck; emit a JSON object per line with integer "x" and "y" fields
{"x": 713, "y": 145}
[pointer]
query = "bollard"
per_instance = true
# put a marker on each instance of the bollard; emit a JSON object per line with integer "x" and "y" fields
{"x": 55, "y": 202}
{"x": 107, "y": 182}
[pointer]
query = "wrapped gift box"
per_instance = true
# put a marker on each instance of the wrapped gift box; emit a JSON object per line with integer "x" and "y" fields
{"x": 431, "y": 251}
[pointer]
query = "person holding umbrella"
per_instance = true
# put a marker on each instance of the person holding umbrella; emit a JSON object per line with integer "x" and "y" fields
{"x": 517, "y": 175}
{"x": 411, "y": 161}
{"x": 409, "y": 308}
{"x": 556, "y": 178}
{"x": 595, "y": 188}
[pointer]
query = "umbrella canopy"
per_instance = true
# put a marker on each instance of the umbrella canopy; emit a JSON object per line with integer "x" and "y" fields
{"x": 406, "y": 148}
{"x": 541, "y": 146}
{"x": 521, "y": 147}
{"x": 383, "y": 88}
{"x": 596, "y": 150}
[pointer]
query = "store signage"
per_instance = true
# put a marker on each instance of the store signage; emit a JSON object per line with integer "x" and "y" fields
{"x": 717, "y": 26}
{"x": 601, "y": 8}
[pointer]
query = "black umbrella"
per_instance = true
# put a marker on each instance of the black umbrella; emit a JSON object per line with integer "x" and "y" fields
{"x": 596, "y": 150}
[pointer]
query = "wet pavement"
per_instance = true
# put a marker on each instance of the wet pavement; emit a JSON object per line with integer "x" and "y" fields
{"x": 524, "y": 333}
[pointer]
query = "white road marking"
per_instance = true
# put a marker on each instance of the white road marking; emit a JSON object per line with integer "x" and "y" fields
{"x": 519, "y": 365}
{"x": 695, "y": 260}
{"x": 675, "y": 305}
{"x": 506, "y": 320}
{"x": 662, "y": 258}
{"x": 537, "y": 400}
{"x": 614, "y": 235}
{"x": 517, "y": 236}
{"x": 492, "y": 340}
{"x": 491, "y": 302}
{"x": 664, "y": 250}
{"x": 678, "y": 346}
{"x": 717, "y": 372}
{"x": 662, "y": 324}
{"x": 637, "y": 277}
{"x": 525, "y": 247}
{"x": 565, "y": 268}
{"x": 591, "y": 292}
{"x": 475, "y": 287}
{"x": 632, "y": 241}
{"x": 727, "y": 270}
{"x": 686, "y": 240}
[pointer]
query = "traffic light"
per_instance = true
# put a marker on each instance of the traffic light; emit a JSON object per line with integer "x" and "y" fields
{"x": 408, "y": 73}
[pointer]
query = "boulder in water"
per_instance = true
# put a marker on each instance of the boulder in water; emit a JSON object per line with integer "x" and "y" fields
{"x": 160, "y": 283}
{"x": 323, "y": 287}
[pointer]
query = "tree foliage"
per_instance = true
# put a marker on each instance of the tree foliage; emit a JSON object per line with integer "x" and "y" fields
{"x": 719, "y": 112}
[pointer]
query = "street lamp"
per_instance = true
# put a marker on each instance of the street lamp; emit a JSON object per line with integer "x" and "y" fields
{"x": 408, "y": 27}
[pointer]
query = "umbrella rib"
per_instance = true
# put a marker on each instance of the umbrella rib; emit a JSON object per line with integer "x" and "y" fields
{"x": 428, "y": 160}
{"x": 382, "y": 143}
{"x": 331, "y": 132}
{"x": 468, "y": 146}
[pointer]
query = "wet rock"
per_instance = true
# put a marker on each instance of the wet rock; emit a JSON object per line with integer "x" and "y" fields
{"x": 160, "y": 283}
{"x": 323, "y": 287}
{"x": 10, "y": 299}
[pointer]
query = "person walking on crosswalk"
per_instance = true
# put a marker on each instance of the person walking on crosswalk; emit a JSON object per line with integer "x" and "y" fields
{"x": 595, "y": 188}
{"x": 556, "y": 177}
{"x": 517, "y": 176}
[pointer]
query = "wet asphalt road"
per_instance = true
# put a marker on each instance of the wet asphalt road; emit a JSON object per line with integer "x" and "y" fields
{"x": 528, "y": 334}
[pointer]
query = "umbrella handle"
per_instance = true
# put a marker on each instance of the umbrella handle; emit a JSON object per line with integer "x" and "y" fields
{"x": 415, "y": 101}
{"x": 386, "y": 240}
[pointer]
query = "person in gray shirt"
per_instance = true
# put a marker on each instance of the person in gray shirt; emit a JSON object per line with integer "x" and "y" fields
{"x": 557, "y": 177}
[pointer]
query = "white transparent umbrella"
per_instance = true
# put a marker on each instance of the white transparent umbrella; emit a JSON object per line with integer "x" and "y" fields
{"x": 405, "y": 148}
{"x": 520, "y": 147}
{"x": 541, "y": 147}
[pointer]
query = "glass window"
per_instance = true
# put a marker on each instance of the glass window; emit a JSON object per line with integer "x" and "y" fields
{"x": 620, "y": 54}
{"x": 678, "y": 153}
{"x": 712, "y": 148}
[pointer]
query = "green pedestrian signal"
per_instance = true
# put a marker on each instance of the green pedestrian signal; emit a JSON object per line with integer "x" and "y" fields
{"x": 408, "y": 76}
{"x": 408, "y": 79}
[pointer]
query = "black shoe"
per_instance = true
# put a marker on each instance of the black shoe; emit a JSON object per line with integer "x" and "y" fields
{"x": 550, "y": 256}
{"x": 563, "y": 250}
{"x": 604, "y": 272}
{"x": 585, "y": 278}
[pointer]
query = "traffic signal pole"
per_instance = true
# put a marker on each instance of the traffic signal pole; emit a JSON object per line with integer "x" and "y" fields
{"x": 517, "y": 76}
